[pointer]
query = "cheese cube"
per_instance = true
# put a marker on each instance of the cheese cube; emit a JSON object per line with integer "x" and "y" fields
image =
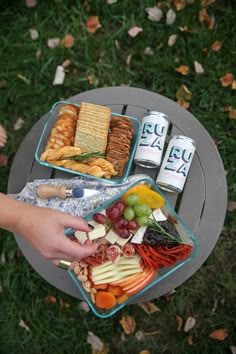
{"x": 99, "y": 231}
{"x": 111, "y": 237}
{"x": 81, "y": 236}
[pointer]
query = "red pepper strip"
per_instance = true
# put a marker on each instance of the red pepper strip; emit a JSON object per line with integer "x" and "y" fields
{"x": 162, "y": 259}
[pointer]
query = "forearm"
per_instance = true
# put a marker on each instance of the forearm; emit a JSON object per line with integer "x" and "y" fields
{"x": 11, "y": 212}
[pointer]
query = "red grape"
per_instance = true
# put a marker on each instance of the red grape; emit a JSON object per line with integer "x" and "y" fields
{"x": 100, "y": 218}
{"x": 132, "y": 225}
{"x": 123, "y": 233}
{"x": 113, "y": 214}
{"x": 121, "y": 224}
{"x": 121, "y": 206}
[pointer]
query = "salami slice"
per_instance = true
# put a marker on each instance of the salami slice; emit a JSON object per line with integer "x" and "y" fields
{"x": 91, "y": 260}
{"x": 113, "y": 253}
{"x": 128, "y": 250}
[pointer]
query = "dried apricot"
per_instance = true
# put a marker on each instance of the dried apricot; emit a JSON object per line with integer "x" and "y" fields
{"x": 105, "y": 300}
{"x": 146, "y": 196}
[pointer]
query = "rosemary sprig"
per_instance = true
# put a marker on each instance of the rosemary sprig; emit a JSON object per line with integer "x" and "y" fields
{"x": 84, "y": 156}
{"x": 155, "y": 226}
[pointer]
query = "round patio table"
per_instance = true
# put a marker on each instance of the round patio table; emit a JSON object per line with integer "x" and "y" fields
{"x": 202, "y": 204}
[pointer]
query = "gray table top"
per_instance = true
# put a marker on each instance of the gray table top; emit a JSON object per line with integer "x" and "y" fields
{"x": 202, "y": 204}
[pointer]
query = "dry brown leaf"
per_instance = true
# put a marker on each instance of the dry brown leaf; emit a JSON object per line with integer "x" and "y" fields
{"x": 117, "y": 44}
{"x": 134, "y": 31}
{"x": 53, "y": 42}
{"x": 190, "y": 340}
{"x": 183, "y": 104}
{"x": 50, "y": 299}
{"x": 189, "y": 324}
{"x": 232, "y": 114}
{"x": 172, "y": 39}
{"x": 93, "y": 24}
{"x": 128, "y": 324}
{"x": 154, "y": 13}
{"x": 59, "y": 76}
{"x": 183, "y": 70}
{"x": 185, "y": 29}
{"x": 152, "y": 333}
{"x": 179, "y": 4}
{"x": 144, "y": 352}
{"x": 18, "y": 124}
{"x": 38, "y": 54}
{"x": 227, "y": 109}
{"x": 170, "y": 17}
{"x": 22, "y": 324}
{"x": 3, "y": 162}
{"x": 84, "y": 306}
{"x": 63, "y": 304}
{"x": 234, "y": 85}
{"x": 86, "y": 6}
{"x": 198, "y": 67}
{"x": 68, "y": 41}
{"x": 169, "y": 294}
{"x": 33, "y": 34}
{"x": 149, "y": 307}
{"x": 204, "y": 17}
{"x": 3, "y": 83}
{"x": 31, "y": 3}
{"x": 183, "y": 93}
{"x": 140, "y": 336}
{"x": 205, "y": 3}
{"x": 128, "y": 59}
{"x": 227, "y": 80}
{"x": 216, "y": 46}
{"x": 233, "y": 349}
{"x": 110, "y": 2}
{"x": 23, "y": 78}
{"x": 231, "y": 206}
{"x": 96, "y": 343}
{"x": 179, "y": 322}
{"x": 66, "y": 63}
{"x": 148, "y": 51}
{"x": 219, "y": 334}
{"x": 205, "y": 50}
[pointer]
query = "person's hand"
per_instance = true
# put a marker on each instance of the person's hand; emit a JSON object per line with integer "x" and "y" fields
{"x": 44, "y": 230}
{"x": 3, "y": 136}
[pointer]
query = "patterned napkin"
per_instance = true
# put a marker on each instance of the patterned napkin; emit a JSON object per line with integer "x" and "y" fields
{"x": 75, "y": 206}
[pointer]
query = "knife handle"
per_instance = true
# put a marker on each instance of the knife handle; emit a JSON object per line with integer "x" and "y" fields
{"x": 45, "y": 191}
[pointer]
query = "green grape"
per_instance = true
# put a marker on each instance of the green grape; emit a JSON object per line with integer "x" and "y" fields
{"x": 148, "y": 211}
{"x": 132, "y": 199}
{"x": 129, "y": 213}
{"x": 140, "y": 209}
{"x": 141, "y": 220}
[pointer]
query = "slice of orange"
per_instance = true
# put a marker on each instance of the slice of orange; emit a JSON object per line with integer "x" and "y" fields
{"x": 146, "y": 196}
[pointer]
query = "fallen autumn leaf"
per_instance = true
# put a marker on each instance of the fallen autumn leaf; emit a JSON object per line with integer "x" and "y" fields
{"x": 128, "y": 324}
{"x": 227, "y": 80}
{"x": 216, "y": 46}
{"x": 170, "y": 17}
{"x": 22, "y": 324}
{"x": 93, "y": 24}
{"x": 219, "y": 334}
{"x": 31, "y": 3}
{"x": 96, "y": 343}
{"x": 183, "y": 93}
{"x": 198, "y": 67}
{"x": 231, "y": 206}
{"x": 134, "y": 31}
{"x": 149, "y": 307}
{"x": 204, "y": 17}
{"x": 68, "y": 41}
{"x": 53, "y": 42}
{"x": 179, "y": 322}
{"x": 18, "y": 124}
{"x": 189, "y": 324}
{"x": 33, "y": 34}
{"x": 172, "y": 39}
{"x": 3, "y": 160}
{"x": 183, "y": 70}
{"x": 154, "y": 13}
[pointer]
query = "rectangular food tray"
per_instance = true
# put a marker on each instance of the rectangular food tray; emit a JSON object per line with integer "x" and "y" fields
{"x": 51, "y": 120}
{"x": 163, "y": 273}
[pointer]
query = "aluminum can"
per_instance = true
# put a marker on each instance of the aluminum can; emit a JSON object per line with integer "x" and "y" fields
{"x": 176, "y": 163}
{"x": 152, "y": 139}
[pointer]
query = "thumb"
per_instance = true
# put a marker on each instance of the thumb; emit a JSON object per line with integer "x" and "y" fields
{"x": 74, "y": 252}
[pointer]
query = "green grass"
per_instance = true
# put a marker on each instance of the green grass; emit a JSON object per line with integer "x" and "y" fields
{"x": 64, "y": 330}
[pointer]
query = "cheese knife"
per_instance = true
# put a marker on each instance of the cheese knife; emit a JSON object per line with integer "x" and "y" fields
{"x": 45, "y": 191}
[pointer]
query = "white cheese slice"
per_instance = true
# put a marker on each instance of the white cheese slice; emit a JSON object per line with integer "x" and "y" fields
{"x": 111, "y": 237}
{"x": 138, "y": 236}
{"x": 99, "y": 231}
{"x": 81, "y": 236}
{"x": 158, "y": 215}
{"x": 122, "y": 241}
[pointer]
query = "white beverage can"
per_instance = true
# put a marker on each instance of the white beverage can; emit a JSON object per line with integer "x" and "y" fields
{"x": 176, "y": 163}
{"x": 152, "y": 139}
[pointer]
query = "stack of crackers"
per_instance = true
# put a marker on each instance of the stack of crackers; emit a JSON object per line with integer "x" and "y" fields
{"x": 119, "y": 143}
{"x": 92, "y": 128}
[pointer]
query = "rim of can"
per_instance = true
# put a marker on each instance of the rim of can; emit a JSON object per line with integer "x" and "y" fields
{"x": 149, "y": 113}
{"x": 184, "y": 137}
{"x": 168, "y": 187}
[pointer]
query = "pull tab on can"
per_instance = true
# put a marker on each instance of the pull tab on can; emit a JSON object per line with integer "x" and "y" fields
{"x": 176, "y": 163}
{"x": 152, "y": 139}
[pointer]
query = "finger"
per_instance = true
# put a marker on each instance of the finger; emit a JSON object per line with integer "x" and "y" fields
{"x": 72, "y": 251}
{"x": 74, "y": 222}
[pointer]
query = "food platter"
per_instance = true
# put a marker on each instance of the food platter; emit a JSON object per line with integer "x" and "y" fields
{"x": 68, "y": 166}
{"x": 143, "y": 265}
